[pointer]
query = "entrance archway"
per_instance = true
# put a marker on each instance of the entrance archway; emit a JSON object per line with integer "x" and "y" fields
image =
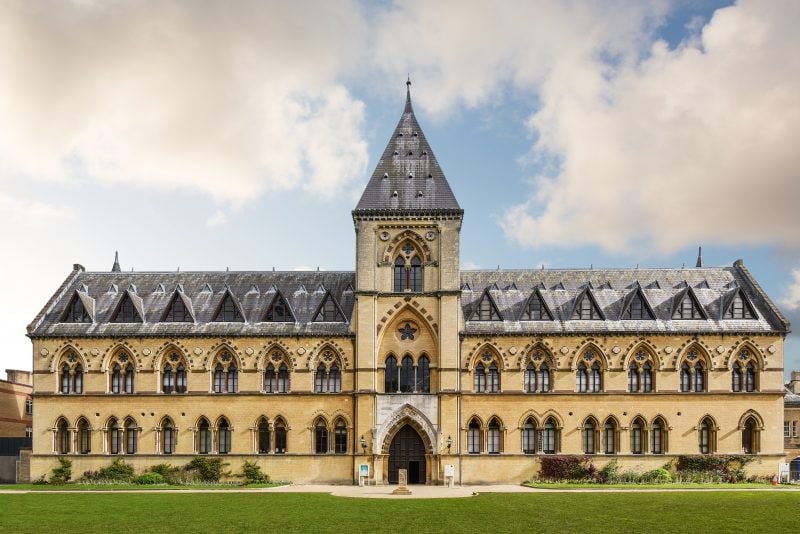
{"x": 407, "y": 451}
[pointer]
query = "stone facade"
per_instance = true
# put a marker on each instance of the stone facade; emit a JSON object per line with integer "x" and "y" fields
{"x": 15, "y": 410}
{"x": 408, "y": 341}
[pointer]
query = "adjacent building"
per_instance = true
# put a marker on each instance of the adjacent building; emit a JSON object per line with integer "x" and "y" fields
{"x": 408, "y": 362}
{"x": 791, "y": 425}
{"x": 16, "y": 423}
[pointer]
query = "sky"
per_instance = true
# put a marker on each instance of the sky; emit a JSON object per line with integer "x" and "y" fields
{"x": 208, "y": 135}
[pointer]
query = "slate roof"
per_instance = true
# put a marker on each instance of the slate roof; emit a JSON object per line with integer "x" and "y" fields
{"x": 612, "y": 289}
{"x": 790, "y": 398}
{"x": 203, "y": 292}
{"x": 407, "y": 178}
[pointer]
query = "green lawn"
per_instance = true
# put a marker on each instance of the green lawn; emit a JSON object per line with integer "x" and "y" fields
{"x": 131, "y": 487}
{"x": 745, "y": 511}
{"x": 676, "y": 486}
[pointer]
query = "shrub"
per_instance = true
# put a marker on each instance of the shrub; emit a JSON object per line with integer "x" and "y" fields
{"x": 62, "y": 473}
{"x": 608, "y": 473}
{"x": 90, "y": 475}
{"x": 206, "y": 469}
{"x": 149, "y": 478}
{"x": 252, "y": 474}
{"x": 563, "y": 468}
{"x": 41, "y": 480}
{"x": 723, "y": 468}
{"x": 170, "y": 474}
{"x": 657, "y": 476}
{"x": 118, "y": 471}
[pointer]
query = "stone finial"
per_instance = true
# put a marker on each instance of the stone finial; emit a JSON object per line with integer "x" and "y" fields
{"x": 699, "y": 257}
{"x": 116, "y": 268}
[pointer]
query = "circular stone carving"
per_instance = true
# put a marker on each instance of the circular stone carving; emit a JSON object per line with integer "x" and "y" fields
{"x": 384, "y": 236}
{"x": 146, "y": 352}
{"x": 95, "y": 352}
{"x": 564, "y": 350}
{"x": 198, "y": 351}
{"x": 616, "y": 350}
{"x": 668, "y": 350}
{"x": 249, "y": 351}
{"x": 720, "y": 349}
{"x": 512, "y": 350}
{"x": 44, "y": 352}
{"x": 301, "y": 351}
{"x": 771, "y": 349}
{"x": 430, "y": 236}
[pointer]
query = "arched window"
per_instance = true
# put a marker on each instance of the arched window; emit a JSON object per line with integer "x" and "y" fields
{"x": 116, "y": 378}
{"x": 474, "y": 437}
{"x": 390, "y": 375}
{"x": 62, "y": 437}
{"x": 219, "y": 379}
{"x": 131, "y": 432}
{"x": 749, "y": 377}
{"x": 320, "y": 379}
{"x": 407, "y": 375}
{"x": 407, "y": 274}
{"x": 582, "y": 379}
{"x": 340, "y": 437}
{"x": 595, "y": 380}
{"x": 549, "y": 437}
{"x": 423, "y": 375}
{"x": 544, "y": 378}
{"x": 180, "y": 379}
{"x": 84, "y": 437}
{"x": 203, "y": 437}
{"x": 335, "y": 379}
{"x": 493, "y": 441}
{"x": 233, "y": 379}
{"x": 479, "y": 384}
{"x": 699, "y": 377}
{"x": 589, "y": 430}
{"x": 77, "y": 380}
{"x": 415, "y": 275}
{"x": 173, "y": 375}
{"x": 658, "y": 437}
{"x": 280, "y": 437}
{"x": 637, "y": 429}
{"x": 529, "y": 436}
{"x": 128, "y": 386}
{"x": 270, "y": 380}
{"x": 686, "y": 378}
{"x": 736, "y": 377}
{"x": 167, "y": 379}
{"x": 283, "y": 378}
{"x": 320, "y": 437}
{"x": 529, "y": 379}
{"x": 263, "y": 436}
{"x": 750, "y": 436}
{"x": 633, "y": 378}
{"x": 494, "y": 378}
{"x": 647, "y": 378}
{"x": 399, "y": 274}
{"x": 168, "y": 437}
{"x": 114, "y": 437}
{"x": 610, "y": 437}
{"x": 707, "y": 435}
{"x": 226, "y": 376}
{"x": 224, "y": 437}
{"x": 65, "y": 378}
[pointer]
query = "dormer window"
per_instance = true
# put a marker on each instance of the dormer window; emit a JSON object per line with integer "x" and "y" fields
{"x": 76, "y": 312}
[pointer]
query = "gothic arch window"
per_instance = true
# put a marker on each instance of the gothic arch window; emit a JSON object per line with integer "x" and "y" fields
{"x": 131, "y": 436}
{"x": 658, "y": 436}
{"x": 486, "y": 377}
{"x": 122, "y": 374}
{"x": 640, "y": 372}
{"x": 320, "y": 437}
{"x": 589, "y": 436}
{"x": 277, "y": 377}
{"x": 589, "y": 375}
{"x": 529, "y": 378}
{"x": 407, "y": 375}
{"x": 334, "y": 379}
{"x": 115, "y": 435}
{"x": 751, "y": 436}
{"x": 408, "y": 270}
{"x": 280, "y": 436}
{"x": 423, "y": 375}
{"x": 283, "y": 378}
{"x": 638, "y": 438}
{"x": 699, "y": 377}
{"x": 707, "y": 436}
{"x": 340, "y": 437}
{"x": 550, "y": 436}
{"x": 168, "y": 436}
{"x": 225, "y": 374}
{"x": 62, "y": 438}
{"x": 529, "y": 436}
{"x": 536, "y": 376}
{"x": 479, "y": 379}
{"x": 474, "y": 437}
{"x": 321, "y": 379}
{"x": 84, "y": 436}
{"x": 71, "y": 374}
{"x": 494, "y": 442}
{"x": 693, "y": 372}
{"x": 263, "y": 435}
{"x": 744, "y": 374}
{"x": 391, "y": 378}
{"x": 610, "y": 436}
{"x": 173, "y": 374}
{"x": 224, "y": 435}
{"x": 203, "y": 444}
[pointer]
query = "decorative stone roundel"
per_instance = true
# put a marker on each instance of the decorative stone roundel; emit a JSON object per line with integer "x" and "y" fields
{"x": 692, "y": 356}
{"x": 564, "y": 350}
{"x": 512, "y": 350}
{"x": 44, "y": 352}
{"x": 249, "y": 351}
{"x": 430, "y": 236}
{"x": 487, "y": 356}
{"x": 198, "y": 351}
{"x": 301, "y": 351}
{"x": 744, "y": 355}
{"x": 771, "y": 349}
{"x": 174, "y": 357}
{"x": 95, "y": 352}
{"x": 588, "y": 355}
{"x": 668, "y": 349}
{"x": 640, "y": 356}
{"x": 720, "y": 349}
{"x": 384, "y": 236}
{"x": 146, "y": 352}
{"x": 537, "y": 356}
{"x": 616, "y": 350}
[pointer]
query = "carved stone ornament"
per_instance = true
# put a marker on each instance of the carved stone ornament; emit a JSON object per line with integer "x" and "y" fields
{"x": 198, "y": 351}
{"x": 249, "y": 351}
{"x": 430, "y": 236}
{"x": 512, "y": 350}
{"x": 95, "y": 352}
{"x": 44, "y": 352}
{"x": 146, "y": 352}
{"x": 771, "y": 349}
{"x": 668, "y": 350}
{"x": 720, "y": 349}
{"x": 384, "y": 236}
{"x": 301, "y": 351}
{"x": 564, "y": 350}
{"x": 616, "y": 350}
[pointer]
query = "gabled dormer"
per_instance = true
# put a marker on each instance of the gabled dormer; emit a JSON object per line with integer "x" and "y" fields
{"x": 635, "y": 306}
{"x": 80, "y": 308}
{"x": 736, "y": 305}
{"x": 686, "y": 306}
{"x": 485, "y": 309}
{"x": 279, "y": 310}
{"x": 130, "y": 309}
{"x": 229, "y": 309}
{"x": 329, "y": 311}
{"x": 585, "y": 307}
{"x": 179, "y": 309}
{"x": 536, "y": 308}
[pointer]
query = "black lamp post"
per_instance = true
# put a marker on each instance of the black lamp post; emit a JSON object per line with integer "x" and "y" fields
{"x": 363, "y": 444}
{"x": 449, "y": 443}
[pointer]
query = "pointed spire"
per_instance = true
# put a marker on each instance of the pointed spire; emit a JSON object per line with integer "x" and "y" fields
{"x": 116, "y": 268}
{"x": 699, "y": 257}
{"x": 408, "y": 108}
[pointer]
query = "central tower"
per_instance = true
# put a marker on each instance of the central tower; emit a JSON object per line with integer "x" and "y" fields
{"x": 407, "y": 312}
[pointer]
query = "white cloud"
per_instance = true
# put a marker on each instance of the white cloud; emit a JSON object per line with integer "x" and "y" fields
{"x": 218, "y": 218}
{"x": 33, "y": 213}
{"x": 692, "y": 145}
{"x": 229, "y": 101}
{"x": 792, "y": 299}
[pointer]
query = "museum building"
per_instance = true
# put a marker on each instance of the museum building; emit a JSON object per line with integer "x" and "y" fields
{"x": 408, "y": 362}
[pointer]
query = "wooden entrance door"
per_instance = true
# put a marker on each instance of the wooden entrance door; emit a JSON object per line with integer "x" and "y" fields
{"x": 407, "y": 452}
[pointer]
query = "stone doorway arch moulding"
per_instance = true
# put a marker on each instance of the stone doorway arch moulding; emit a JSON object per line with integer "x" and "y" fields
{"x": 407, "y": 415}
